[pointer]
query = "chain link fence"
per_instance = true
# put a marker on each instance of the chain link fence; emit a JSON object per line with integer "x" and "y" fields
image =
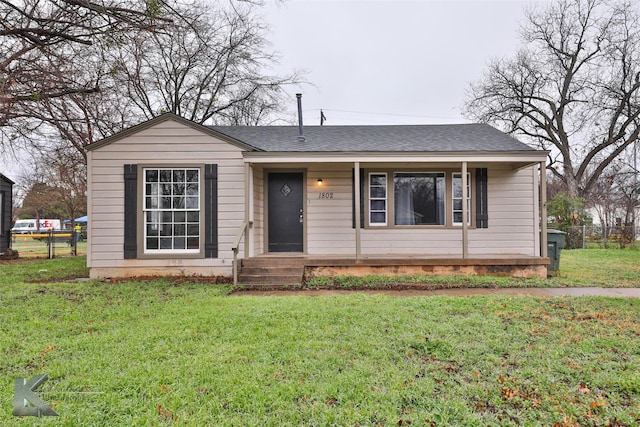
{"x": 602, "y": 237}
{"x": 49, "y": 244}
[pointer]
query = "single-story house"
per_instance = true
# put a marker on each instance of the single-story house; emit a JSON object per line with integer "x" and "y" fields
{"x": 274, "y": 203}
{"x": 6, "y": 205}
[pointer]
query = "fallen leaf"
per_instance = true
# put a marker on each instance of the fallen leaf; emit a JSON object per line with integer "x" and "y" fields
{"x": 582, "y": 388}
{"x": 567, "y": 422}
{"x": 331, "y": 401}
{"x": 509, "y": 393}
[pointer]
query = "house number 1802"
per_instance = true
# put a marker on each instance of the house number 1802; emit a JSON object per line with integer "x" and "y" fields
{"x": 325, "y": 195}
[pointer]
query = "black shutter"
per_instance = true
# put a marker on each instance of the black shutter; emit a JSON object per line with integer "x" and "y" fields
{"x": 130, "y": 211}
{"x": 353, "y": 198}
{"x": 482, "y": 215}
{"x": 211, "y": 211}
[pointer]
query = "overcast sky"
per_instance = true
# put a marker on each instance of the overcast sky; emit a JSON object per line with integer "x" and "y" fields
{"x": 386, "y": 61}
{"x": 391, "y": 62}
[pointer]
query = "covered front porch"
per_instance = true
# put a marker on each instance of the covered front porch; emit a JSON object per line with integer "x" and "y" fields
{"x": 338, "y": 236}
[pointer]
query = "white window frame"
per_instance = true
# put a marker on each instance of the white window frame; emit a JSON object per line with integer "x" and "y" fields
{"x": 385, "y": 199}
{"x": 192, "y": 208}
{"x": 454, "y": 176}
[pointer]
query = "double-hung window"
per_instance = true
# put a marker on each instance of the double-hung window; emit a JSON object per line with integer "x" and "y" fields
{"x": 457, "y": 198}
{"x": 171, "y": 210}
{"x": 378, "y": 199}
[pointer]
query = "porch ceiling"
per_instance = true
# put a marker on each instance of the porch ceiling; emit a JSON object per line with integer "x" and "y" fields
{"x": 516, "y": 159}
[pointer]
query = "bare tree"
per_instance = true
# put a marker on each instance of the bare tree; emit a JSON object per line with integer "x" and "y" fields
{"x": 39, "y": 199}
{"x": 573, "y": 88}
{"x": 65, "y": 170}
{"x": 56, "y": 188}
{"x": 208, "y": 67}
{"x": 614, "y": 196}
{"x": 78, "y": 119}
{"x": 43, "y": 43}
{"x": 78, "y": 71}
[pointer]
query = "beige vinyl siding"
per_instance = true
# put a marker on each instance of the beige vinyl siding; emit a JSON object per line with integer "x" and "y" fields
{"x": 167, "y": 143}
{"x": 412, "y": 242}
{"x": 329, "y": 220}
{"x": 257, "y": 232}
{"x": 512, "y": 215}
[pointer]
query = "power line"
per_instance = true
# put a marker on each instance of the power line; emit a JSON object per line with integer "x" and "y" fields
{"x": 383, "y": 114}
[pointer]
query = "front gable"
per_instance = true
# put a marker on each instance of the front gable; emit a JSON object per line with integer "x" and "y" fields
{"x": 168, "y": 127}
{"x": 118, "y": 188}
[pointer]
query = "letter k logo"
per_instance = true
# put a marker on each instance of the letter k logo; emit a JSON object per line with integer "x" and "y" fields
{"x": 25, "y": 401}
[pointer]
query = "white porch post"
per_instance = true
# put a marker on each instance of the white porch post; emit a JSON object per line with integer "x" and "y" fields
{"x": 248, "y": 187}
{"x": 543, "y": 209}
{"x": 356, "y": 192}
{"x": 465, "y": 213}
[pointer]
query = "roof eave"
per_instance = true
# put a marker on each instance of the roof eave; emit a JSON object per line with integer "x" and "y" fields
{"x": 162, "y": 118}
{"x": 7, "y": 179}
{"x": 524, "y": 157}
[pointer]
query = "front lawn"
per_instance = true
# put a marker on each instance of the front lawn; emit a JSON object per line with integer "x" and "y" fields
{"x": 157, "y": 353}
{"x": 600, "y": 267}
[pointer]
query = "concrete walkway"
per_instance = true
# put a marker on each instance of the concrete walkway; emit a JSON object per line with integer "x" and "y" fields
{"x": 462, "y": 292}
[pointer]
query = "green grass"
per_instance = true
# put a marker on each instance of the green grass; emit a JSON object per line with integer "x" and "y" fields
{"x": 600, "y": 267}
{"x": 159, "y": 353}
{"x": 42, "y": 270}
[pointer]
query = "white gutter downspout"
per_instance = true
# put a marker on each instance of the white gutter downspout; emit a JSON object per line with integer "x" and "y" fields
{"x": 248, "y": 185}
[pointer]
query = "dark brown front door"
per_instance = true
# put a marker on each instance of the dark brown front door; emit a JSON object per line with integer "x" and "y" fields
{"x": 285, "y": 211}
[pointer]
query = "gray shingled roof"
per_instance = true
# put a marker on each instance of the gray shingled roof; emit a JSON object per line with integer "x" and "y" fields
{"x": 402, "y": 138}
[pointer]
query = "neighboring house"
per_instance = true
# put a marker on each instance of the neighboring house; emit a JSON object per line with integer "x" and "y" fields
{"x": 6, "y": 205}
{"x": 171, "y": 197}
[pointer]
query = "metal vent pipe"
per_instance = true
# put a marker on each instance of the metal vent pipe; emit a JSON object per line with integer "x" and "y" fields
{"x": 301, "y": 137}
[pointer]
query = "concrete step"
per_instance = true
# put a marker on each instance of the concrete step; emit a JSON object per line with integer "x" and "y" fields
{"x": 260, "y": 271}
{"x": 273, "y": 262}
{"x": 269, "y": 280}
{"x": 272, "y": 272}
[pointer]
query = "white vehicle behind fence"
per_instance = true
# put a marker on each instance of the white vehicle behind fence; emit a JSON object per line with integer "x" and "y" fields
{"x": 30, "y": 226}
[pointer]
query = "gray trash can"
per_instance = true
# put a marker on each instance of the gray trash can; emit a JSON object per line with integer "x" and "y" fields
{"x": 555, "y": 242}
